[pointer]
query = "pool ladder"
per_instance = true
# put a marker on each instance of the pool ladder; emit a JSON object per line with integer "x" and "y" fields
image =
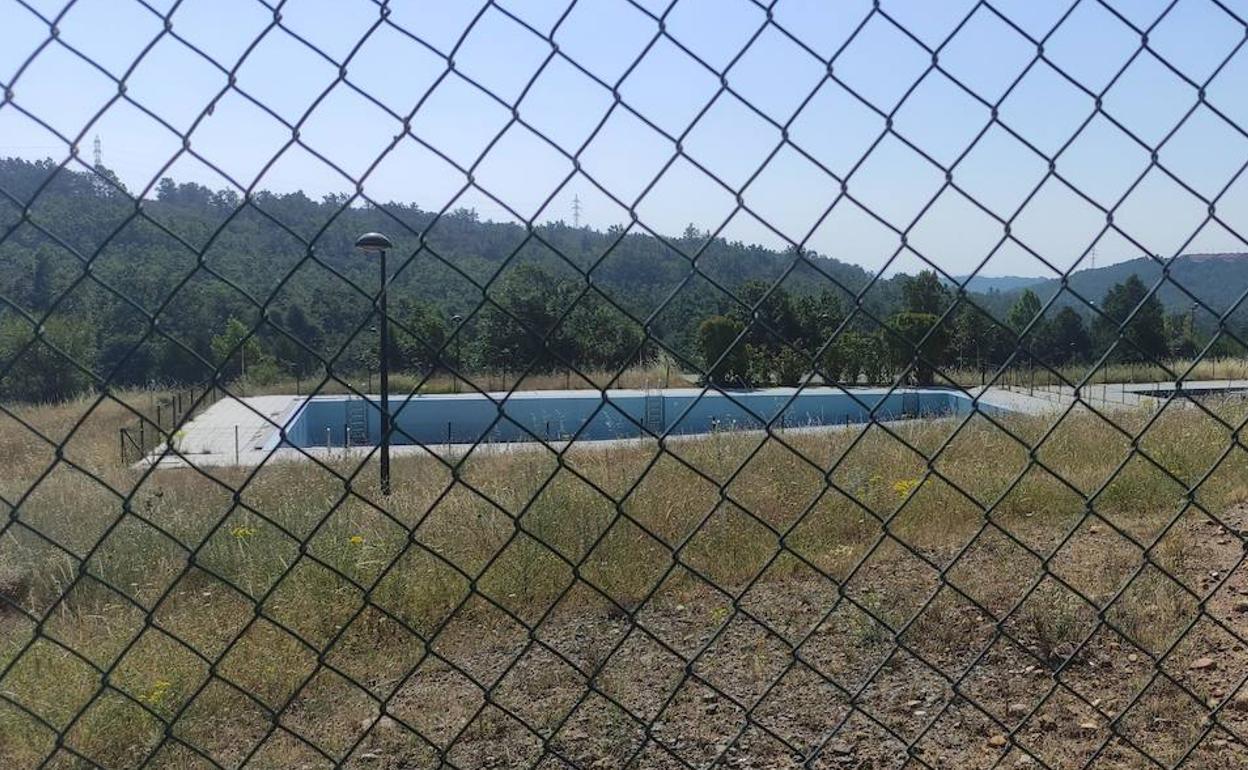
{"x": 654, "y": 418}
{"x": 357, "y": 422}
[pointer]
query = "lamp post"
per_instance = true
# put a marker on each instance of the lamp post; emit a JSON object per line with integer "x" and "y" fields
{"x": 457, "y": 320}
{"x": 369, "y": 243}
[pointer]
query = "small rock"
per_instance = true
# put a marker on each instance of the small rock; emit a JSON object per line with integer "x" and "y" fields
{"x": 1133, "y": 657}
{"x": 1241, "y": 605}
{"x": 997, "y": 741}
{"x": 1201, "y": 664}
{"x": 1017, "y": 709}
{"x": 1087, "y": 725}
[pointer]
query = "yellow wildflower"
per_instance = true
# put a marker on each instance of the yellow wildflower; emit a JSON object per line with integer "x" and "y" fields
{"x": 242, "y": 533}
{"x": 356, "y": 540}
{"x": 157, "y": 693}
{"x": 903, "y": 487}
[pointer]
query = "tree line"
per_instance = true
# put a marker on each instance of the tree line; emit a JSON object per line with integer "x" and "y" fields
{"x": 191, "y": 283}
{"x": 776, "y": 338}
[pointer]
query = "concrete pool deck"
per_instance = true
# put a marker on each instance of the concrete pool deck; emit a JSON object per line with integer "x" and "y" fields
{"x": 243, "y": 431}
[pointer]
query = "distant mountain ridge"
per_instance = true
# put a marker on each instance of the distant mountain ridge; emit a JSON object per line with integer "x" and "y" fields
{"x": 1218, "y": 280}
{"x": 987, "y": 283}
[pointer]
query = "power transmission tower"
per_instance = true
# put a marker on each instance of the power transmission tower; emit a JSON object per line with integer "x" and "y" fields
{"x": 99, "y": 152}
{"x": 576, "y": 211}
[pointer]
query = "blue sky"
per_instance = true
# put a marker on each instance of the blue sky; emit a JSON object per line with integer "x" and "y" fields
{"x": 731, "y": 140}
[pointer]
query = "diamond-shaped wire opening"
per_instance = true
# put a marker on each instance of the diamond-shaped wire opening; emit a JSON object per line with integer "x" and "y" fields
{"x": 201, "y": 728}
{"x": 905, "y": 695}
{"x": 541, "y": 688}
{"x": 331, "y": 713}
{"x": 598, "y": 728}
{"x": 25, "y": 684}
{"x": 695, "y": 724}
{"x": 286, "y": 664}
{"x": 743, "y": 661}
{"x": 661, "y": 673}
{"x": 160, "y": 673}
{"x": 115, "y": 731}
{"x": 94, "y": 621}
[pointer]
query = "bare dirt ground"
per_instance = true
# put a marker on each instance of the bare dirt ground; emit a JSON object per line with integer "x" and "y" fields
{"x": 798, "y": 670}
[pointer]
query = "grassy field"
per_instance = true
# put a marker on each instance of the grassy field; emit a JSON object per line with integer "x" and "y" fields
{"x": 746, "y": 598}
{"x": 1208, "y": 368}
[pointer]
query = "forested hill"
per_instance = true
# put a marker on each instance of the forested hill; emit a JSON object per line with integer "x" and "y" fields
{"x": 1218, "y": 280}
{"x": 262, "y": 249}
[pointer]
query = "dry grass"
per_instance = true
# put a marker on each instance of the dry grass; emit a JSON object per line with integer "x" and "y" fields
{"x": 426, "y": 597}
{"x": 660, "y": 374}
{"x": 1207, "y": 368}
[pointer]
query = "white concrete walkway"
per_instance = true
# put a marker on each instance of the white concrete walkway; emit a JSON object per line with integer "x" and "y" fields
{"x": 210, "y": 439}
{"x": 230, "y": 432}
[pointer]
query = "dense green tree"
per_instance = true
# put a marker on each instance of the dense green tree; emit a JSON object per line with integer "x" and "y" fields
{"x": 976, "y": 341}
{"x": 790, "y": 367}
{"x": 299, "y": 345}
{"x": 421, "y": 338}
{"x": 1143, "y": 336}
{"x": 773, "y": 319}
{"x": 1063, "y": 339}
{"x": 600, "y": 337}
{"x": 818, "y": 316}
{"x": 724, "y": 357}
{"x": 925, "y": 293}
{"x": 45, "y": 367}
{"x": 514, "y": 329}
{"x": 1181, "y": 337}
{"x": 1023, "y": 312}
{"x": 236, "y": 348}
{"x": 919, "y": 341}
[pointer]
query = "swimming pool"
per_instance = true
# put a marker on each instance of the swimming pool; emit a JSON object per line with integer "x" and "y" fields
{"x": 469, "y": 418}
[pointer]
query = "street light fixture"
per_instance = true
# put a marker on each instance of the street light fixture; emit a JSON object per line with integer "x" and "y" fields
{"x": 370, "y": 243}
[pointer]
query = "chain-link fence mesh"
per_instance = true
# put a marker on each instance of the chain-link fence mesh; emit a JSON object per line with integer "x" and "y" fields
{"x": 1045, "y": 568}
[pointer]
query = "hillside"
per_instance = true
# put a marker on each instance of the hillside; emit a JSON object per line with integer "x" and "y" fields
{"x": 1218, "y": 280}
{"x": 291, "y": 254}
{"x": 1002, "y": 283}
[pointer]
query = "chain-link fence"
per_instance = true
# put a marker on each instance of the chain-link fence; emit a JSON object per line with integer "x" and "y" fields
{"x": 717, "y": 504}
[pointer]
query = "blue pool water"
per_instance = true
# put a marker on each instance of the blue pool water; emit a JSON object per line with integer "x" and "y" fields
{"x": 593, "y": 415}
